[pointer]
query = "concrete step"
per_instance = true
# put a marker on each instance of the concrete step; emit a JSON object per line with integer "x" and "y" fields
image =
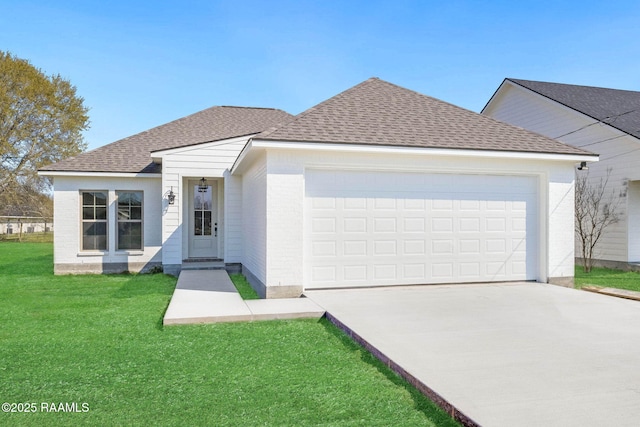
{"x": 205, "y": 265}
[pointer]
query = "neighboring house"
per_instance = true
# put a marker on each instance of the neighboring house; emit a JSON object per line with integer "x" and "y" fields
{"x": 24, "y": 224}
{"x": 606, "y": 121}
{"x": 378, "y": 185}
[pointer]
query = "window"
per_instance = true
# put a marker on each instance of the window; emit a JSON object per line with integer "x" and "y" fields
{"x": 202, "y": 209}
{"x": 94, "y": 220}
{"x": 129, "y": 220}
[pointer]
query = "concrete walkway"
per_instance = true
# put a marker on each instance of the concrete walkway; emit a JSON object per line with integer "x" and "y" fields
{"x": 209, "y": 296}
{"x": 525, "y": 354}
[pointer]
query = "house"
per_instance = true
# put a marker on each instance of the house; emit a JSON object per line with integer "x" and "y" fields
{"x": 378, "y": 185}
{"x": 606, "y": 121}
{"x": 24, "y": 224}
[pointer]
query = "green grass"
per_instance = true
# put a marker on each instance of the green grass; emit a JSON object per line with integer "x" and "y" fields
{"x": 100, "y": 340}
{"x": 629, "y": 280}
{"x": 244, "y": 288}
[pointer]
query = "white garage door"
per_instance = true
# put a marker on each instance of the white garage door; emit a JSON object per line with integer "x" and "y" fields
{"x": 389, "y": 228}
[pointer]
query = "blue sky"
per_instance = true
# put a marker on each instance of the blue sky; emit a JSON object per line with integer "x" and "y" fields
{"x": 139, "y": 64}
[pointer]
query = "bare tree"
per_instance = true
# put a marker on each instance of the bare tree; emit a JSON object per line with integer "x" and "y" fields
{"x": 596, "y": 209}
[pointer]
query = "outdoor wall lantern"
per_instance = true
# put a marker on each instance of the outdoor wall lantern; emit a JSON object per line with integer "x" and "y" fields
{"x": 583, "y": 166}
{"x": 171, "y": 196}
{"x": 202, "y": 188}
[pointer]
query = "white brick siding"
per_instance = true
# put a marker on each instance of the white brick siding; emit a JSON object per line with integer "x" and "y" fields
{"x": 67, "y": 236}
{"x": 285, "y": 200}
{"x": 561, "y": 192}
{"x": 254, "y": 219}
{"x": 233, "y": 218}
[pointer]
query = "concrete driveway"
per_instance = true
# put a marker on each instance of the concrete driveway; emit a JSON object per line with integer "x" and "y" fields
{"x": 517, "y": 354}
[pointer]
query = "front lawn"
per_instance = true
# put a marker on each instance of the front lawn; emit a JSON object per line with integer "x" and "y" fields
{"x": 99, "y": 341}
{"x": 608, "y": 278}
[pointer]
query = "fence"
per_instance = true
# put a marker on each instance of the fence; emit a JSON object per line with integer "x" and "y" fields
{"x": 19, "y": 227}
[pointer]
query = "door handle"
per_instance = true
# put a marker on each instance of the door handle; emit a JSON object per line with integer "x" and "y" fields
{"x": 215, "y": 230}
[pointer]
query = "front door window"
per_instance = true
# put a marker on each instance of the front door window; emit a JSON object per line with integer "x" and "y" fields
{"x": 202, "y": 209}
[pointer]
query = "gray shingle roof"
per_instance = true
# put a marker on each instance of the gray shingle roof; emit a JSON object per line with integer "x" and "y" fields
{"x": 618, "y": 108}
{"x": 376, "y": 112}
{"x": 133, "y": 154}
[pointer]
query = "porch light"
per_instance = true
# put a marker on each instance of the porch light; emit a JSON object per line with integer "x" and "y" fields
{"x": 171, "y": 196}
{"x": 583, "y": 166}
{"x": 202, "y": 188}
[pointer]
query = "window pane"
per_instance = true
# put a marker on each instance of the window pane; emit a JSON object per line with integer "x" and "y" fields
{"x": 87, "y": 198}
{"x": 88, "y": 243}
{"x": 101, "y": 242}
{"x": 197, "y": 223}
{"x": 123, "y": 213}
{"x": 95, "y": 228}
{"x": 88, "y": 213}
{"x": 197, "y": 198}
{"x": 207, "y": 223}
{"x": 130, "y": 198}
{"x": 130, "y": 235}
{"x": 135, "y": 199}
{"x": 136, "y": 212}
{"x": 206, "y": 198}
{"x": 101, "y": 213}
{"x": 101, "y": 199}
{"x": 94, "y": 236}
{"x": 124, "y": 206}
{"x": 123, "y": 198}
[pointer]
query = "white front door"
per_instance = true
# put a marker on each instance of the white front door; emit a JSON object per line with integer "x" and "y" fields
{"x": 203, "y": 221}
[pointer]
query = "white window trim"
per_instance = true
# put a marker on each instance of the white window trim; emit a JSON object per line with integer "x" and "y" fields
{"x": 82, "y": 221}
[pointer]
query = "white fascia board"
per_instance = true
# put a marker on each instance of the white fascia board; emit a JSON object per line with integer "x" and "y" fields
{"x": 495, "y": 95}
{"x": 101, "y": 174}
{"x": 160, "y": 153}
{"x": 419, "y": 151}
{"x": 245, "y": 155}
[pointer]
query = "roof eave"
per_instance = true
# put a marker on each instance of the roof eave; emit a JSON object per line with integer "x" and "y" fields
{"x": 262, "y": 144}
{"x": 49, "y": 173}
{"x": 156, "y": 154}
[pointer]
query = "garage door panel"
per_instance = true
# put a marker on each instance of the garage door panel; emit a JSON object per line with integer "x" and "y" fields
{"x": 442, "y": 247}
{"x": 469, "y": 270}
{"x": 385, "y": 225}
{"x": 323, "y": 274}
{"x": 442, "y": 225}
{"x": 355, "y": 248}
{"x": 355, "y": 272}
{"x": 321, "y": 225}
{"x": 418, "y": 228}
{"x": 413, "y": 270}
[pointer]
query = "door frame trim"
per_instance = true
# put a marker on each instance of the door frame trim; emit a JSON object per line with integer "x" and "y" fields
{"x": 187, "y": 223}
